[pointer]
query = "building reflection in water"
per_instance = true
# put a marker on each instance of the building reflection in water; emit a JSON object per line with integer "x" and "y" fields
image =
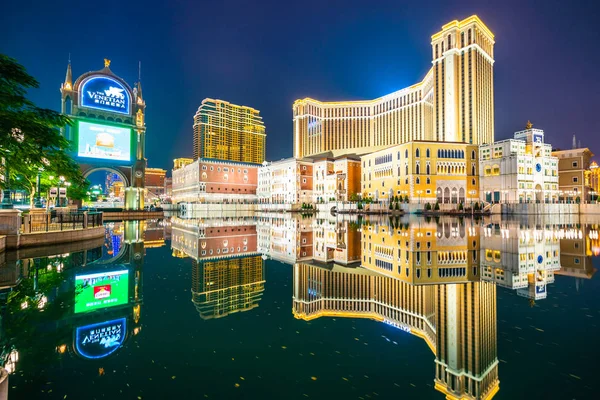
{"x": 433, "y": 278}
{"x": 90, "y": 293}
{"x": 422, "y": 279}
{"x": 227, "y": 269}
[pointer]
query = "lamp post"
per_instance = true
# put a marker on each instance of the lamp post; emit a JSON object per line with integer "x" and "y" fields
{"x": 419, "y": 192}
{"x": 38, "y": 197}
{"x": 61, "y": 180}
{"x": 68, "y": 185}
{"x": 6, "y": 201}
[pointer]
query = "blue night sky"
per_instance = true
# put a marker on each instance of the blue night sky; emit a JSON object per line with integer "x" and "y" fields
{"x": 266, "y": 54}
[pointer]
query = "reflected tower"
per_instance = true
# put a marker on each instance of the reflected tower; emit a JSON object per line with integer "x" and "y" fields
{"x": 466, "y": 362}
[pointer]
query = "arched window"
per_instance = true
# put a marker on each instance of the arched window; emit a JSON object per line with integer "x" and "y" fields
{"x": 406, "y": 169}
{"x": 472, "y": 154}
{"x": 418, "y": 169}
{"x": 417, "y": 180}
{"x": 418, "y": 153}
{"x": 427, "y": 153}
{"x": 428, "y": 169}
{"x": 406, "y": 154}
{"x": 398, "y": 155}
{"x": 473, "y": 169}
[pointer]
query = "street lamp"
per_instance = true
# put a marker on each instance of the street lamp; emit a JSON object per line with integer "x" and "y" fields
{"x": 6, "y": 202}
{"x": 38, "y": 197}
{"x": 419, "y": 193}
{"x": 61, "y": 180}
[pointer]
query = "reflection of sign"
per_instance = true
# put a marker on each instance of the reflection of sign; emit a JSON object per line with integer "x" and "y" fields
{"x": 104, "y": 93}
{"x": 101, "y": 290}
{"x": 53, "y": 192}
{"x": 540, "y": 259}
{"x": 538, "y": 139}
{"x": 100, "y": 340}
{"x": 62, "y": 192}
{"x": 540, "y": 289}
{"x": 104, "y": 142}
{"x": 538, "y": 167}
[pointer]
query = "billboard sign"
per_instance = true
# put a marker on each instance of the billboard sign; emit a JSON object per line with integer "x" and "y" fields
{"x": 100, "y": 340}
{"x": 103, "y": 141}
{"x": 106, "y": 94}
{"x": 101, "y": 290}
{"x": 538, "y": 139}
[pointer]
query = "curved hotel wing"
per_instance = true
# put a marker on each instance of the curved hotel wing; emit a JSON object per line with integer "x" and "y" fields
{"x": 453, "y": 103}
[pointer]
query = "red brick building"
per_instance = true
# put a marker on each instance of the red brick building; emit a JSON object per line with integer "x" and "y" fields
{"x": 212, "y": 181}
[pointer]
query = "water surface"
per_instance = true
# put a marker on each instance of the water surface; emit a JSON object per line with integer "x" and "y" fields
{"x": 307, "y": 307}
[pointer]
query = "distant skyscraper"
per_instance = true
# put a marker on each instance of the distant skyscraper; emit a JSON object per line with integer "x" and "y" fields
{"x": 227, "y": 131}
{"x": 453, "y": 103}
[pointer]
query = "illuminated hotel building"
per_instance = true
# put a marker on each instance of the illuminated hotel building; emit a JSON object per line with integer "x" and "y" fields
{"x": 214, "y": 181}
{"x": 286, "y": 183}
{"x": 226, "y": 131}
{"x": 457, "y": 321}
{"x": 423, "y": 171}
{"x": 453, "y": 103}
{"x": 521, "y": 170}
{"x": 574, "y": 173}
{"x": 155, "y": 183}
{"x": 336, "y": 179}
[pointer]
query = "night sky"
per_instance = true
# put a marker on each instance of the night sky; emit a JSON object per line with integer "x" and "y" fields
{"x": 266, "y": 54}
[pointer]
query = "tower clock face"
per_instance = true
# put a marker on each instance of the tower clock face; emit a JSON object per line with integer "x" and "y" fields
{"x": 138, "y": 174}
{"x": 538, "y": 167}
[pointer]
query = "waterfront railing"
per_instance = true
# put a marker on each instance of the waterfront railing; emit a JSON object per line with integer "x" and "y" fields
{"x": 59, "y": 221}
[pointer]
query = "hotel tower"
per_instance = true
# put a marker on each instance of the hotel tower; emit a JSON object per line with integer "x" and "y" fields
{"x": 226, "y": 131}
{"x": 453, "y": 103}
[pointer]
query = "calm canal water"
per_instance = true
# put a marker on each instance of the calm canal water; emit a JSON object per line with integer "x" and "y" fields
{"x": 280, "y": 306}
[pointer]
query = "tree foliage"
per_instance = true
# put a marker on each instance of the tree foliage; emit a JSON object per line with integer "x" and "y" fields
{"x": 30, "y": 137}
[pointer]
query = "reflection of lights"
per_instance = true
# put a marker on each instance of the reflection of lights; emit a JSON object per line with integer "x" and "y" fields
{"x": 136, "y": 330}
{"x": 62, "y": 348}
{"x": 11, "y": 362}
{"x": 24, "y": 305}
{"x": 42, "y": 303}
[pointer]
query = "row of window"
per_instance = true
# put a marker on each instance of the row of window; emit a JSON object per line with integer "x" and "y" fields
{"x": 225, "y": 169}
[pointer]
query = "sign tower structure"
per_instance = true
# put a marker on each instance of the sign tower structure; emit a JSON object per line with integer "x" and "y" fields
{"x": 109, "y": 129}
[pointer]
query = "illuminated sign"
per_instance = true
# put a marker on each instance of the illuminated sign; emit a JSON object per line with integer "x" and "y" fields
{"x": 101, "y": 290}
{"x": 100, "y": 340}
{"x": 538, "y": 139}
{"x": 103, "y": 141}
{"x": 106, "y": 94}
